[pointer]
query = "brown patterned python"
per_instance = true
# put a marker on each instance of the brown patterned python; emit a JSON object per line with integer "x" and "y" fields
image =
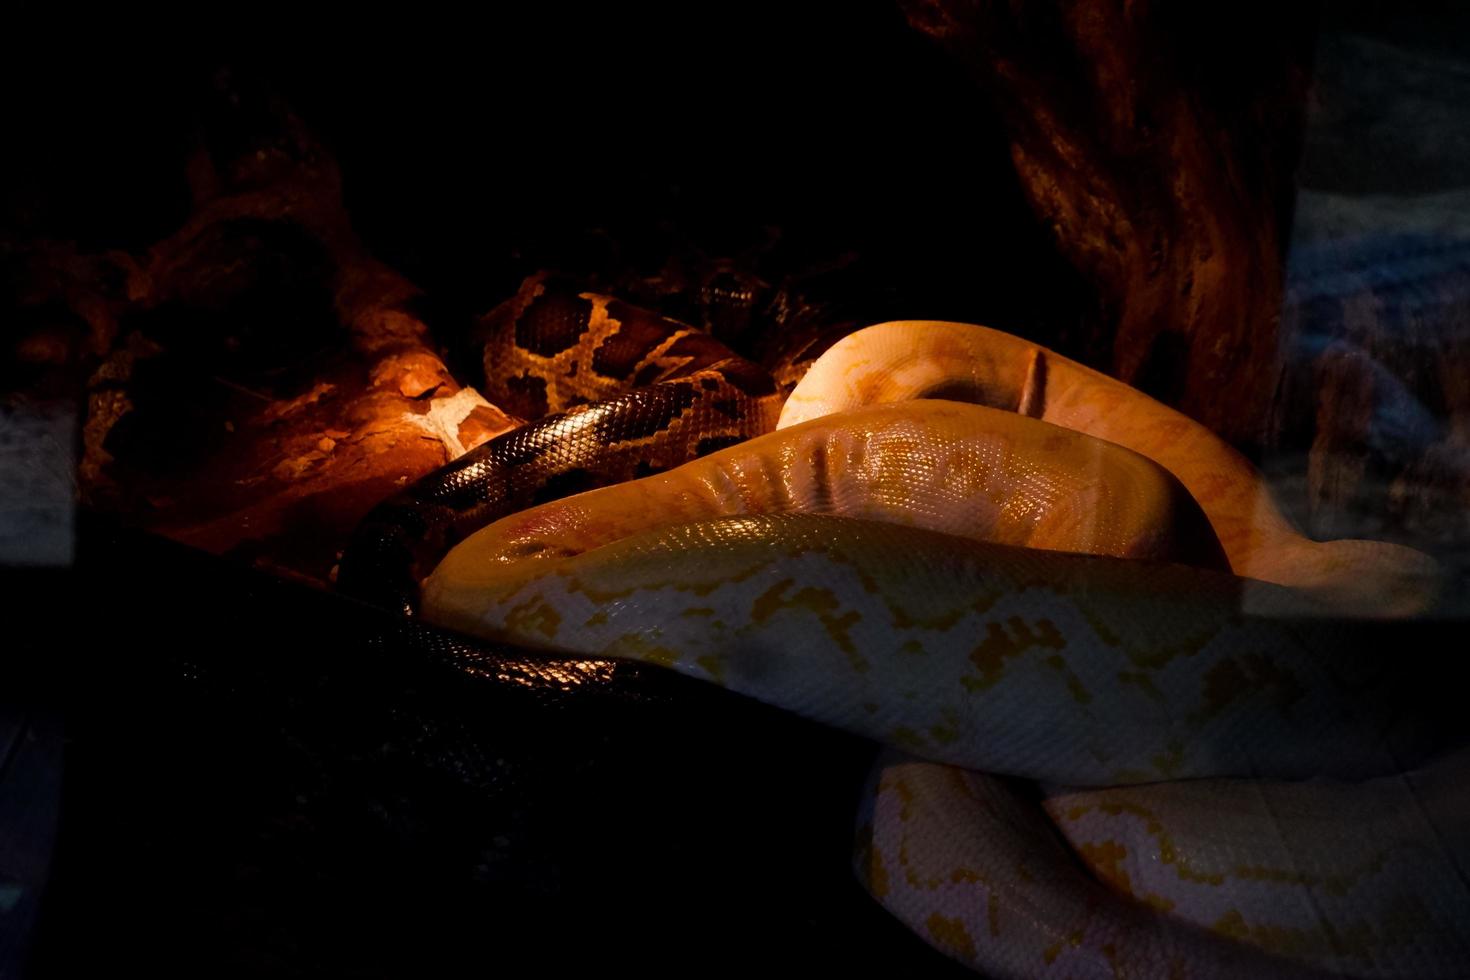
{"x": 614, "y": 392}
{"x": 1053, "y": 587}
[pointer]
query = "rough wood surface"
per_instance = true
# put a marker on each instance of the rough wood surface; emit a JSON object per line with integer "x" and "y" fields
{"x": 1158, "y": 142}
{"x": 270, "y": 380}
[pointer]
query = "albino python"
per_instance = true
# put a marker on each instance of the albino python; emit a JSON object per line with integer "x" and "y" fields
{"x": 916, "y": 572}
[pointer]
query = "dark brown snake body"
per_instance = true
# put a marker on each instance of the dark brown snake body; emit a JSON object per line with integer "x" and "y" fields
{"x": 616, "y": 392}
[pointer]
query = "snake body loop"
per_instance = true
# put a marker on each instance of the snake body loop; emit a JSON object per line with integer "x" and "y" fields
{"x": 883, "y": 364}
{"x": 920, "y": 572}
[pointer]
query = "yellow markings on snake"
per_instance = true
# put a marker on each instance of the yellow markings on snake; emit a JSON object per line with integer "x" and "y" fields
{"x": 603, "y": 594}
{"x": 1334, "y": 884}
{"x": 951, "y": 935}
{"x": 946, "y": 730}
{"x": 636, "y": 646}
{"x": 905, "y": 794}
{"x": 702, "y": 589}
{"x": 1006, "y": 641}
{"x": 1158, "y": 655}
{"x": 1102, "y": 631}
{"x": 1246, "y": 676}
{"x": 1079, "y": 691}
{"x": 1096, "y": 594}
{"x": 533, "y": 615}
{"x": 1158, "y": 902}
{"x": 1050, "y": 954}
{"x": 1105, "y": 859}
{"x": 942, "y": 620}
{"x": 870, "y": 862}
{"x": 1168, "y": 853}
{"x": 1354, "y": 940}
{"x": 821, "y": 602}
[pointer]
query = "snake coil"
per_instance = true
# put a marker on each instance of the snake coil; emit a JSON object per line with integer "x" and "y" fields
{"x": 1022, "y": 586}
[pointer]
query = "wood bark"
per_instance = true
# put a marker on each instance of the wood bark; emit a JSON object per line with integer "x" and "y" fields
{"x": 1157, "y": 141}
{"x": 271, "y": 380}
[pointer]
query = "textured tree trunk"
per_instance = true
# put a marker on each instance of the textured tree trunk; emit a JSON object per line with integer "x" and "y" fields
{"x": 271, "y": 380}
{"x": 1158, "y": 142}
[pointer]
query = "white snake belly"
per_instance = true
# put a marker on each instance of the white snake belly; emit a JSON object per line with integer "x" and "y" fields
{"x": 849, "y": 569}
{"x": 1201, "y": 878}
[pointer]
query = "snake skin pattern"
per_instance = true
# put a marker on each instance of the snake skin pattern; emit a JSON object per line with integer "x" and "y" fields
{"x": 552, "y": 349}
{"x": 917, "y": 573}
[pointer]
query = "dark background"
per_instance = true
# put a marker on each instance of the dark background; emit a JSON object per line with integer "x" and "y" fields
{"x": 467, "y": 142}
{"x": 253, "y": 785}
{"x": 256, "y": 783}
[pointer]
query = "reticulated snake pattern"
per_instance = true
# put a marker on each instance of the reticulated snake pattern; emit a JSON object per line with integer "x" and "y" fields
{"x": 998, "y": 563}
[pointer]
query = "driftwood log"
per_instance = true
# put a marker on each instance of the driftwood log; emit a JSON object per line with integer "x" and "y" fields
{"x": 270, "y": 381}
{"x": 1158, "y": 142}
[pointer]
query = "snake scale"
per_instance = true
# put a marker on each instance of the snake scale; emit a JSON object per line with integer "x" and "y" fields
{"x": 1130, "y": 729}
{"x": 578, "y": 354}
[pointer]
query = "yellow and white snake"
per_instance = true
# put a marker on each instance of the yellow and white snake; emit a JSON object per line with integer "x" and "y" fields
{"x": 1021, "y": 575}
